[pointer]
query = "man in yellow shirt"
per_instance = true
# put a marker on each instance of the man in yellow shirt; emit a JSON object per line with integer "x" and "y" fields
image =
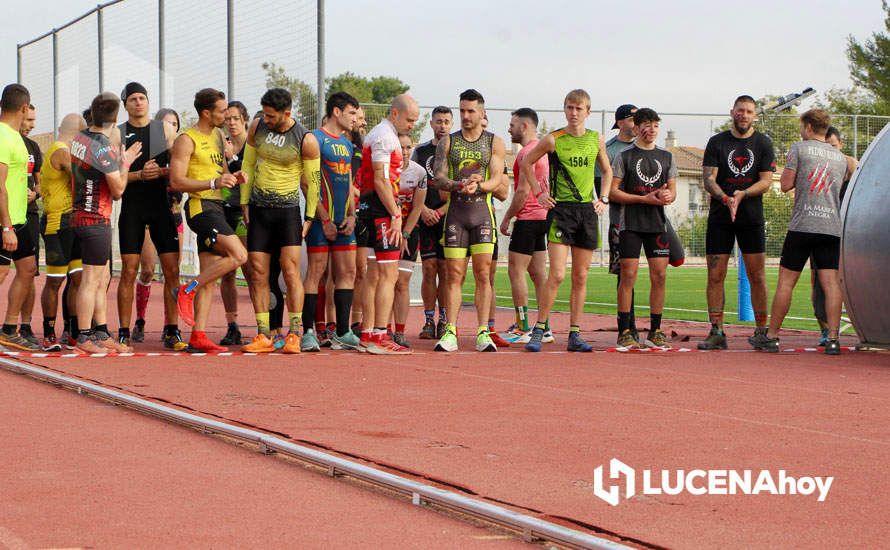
{"x": 62, "y": 249}
{"x": 280, "y": 153}
{"x": 198, "y": 167}
{"x": 18, "y": 246}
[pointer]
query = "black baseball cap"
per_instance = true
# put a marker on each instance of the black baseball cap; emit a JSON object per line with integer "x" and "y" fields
{"x": 622, "y": 112}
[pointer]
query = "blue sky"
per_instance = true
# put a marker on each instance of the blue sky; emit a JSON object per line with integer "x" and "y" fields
{"x": 680, "y": 56}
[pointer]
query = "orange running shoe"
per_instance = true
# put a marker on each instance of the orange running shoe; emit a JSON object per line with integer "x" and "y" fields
{"x": 291, "y": 343}
{"x": 88, "y": 346}
{"x": 385, "y": 346}
{"x": 113, "y": 345}
{"x": 198, "y": 342}
{"x": 185, "y": 303}
{"x": 261, "y": 344}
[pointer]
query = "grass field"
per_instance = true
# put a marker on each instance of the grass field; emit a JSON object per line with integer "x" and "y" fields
{"x": 685, "y": 297}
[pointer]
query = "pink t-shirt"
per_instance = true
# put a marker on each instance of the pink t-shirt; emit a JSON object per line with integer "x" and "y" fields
{"x": 531, "y": 210}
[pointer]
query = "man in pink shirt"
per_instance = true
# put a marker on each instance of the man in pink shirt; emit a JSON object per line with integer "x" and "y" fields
{"x": 528, "y": 243}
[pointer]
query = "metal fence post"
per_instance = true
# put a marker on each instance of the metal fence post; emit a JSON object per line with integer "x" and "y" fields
{"x": 18, "y": 64}
{"x": 230, "y": 47}
{"x": 101, "y": 47}
{"x": 55, "y": 83}
{"x": 162, "y": 86}
{"x": 856, "y": 136}
{"x": 319, "y": 108}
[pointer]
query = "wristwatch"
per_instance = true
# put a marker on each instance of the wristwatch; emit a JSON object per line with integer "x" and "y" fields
{"x": 604, "y": 199}
{"x": 7, "y": 229}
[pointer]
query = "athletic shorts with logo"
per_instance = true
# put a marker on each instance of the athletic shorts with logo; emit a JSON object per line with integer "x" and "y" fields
{"x": 469, "y": 231}
{"x": 372, "y": 233}
{"x": 720, "y": 238}
{"x": 430, "y": 241}
{"x": 26, "y": 247}
{"x": 317, "y": 243}
{"x": 207, "y": 219}
{"x": 62, "y": 248}
{"x": 529, "y": 236}
{"x": 800, "y": 246}
{"x": 573, "y": 224}
{"x": 271, "y": 228}
{"x": 159, "y": 219}
{"x": 656, "y": 245}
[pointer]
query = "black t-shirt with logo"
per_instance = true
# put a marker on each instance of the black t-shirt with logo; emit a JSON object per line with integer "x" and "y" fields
{"x": 739, "y": 163}
{"x": 425, "y": 155}
{"x": 643, "y": 171}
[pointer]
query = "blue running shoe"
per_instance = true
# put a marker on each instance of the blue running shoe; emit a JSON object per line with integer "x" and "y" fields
{"x": 534, "y": 343}
{"x": 577, "y": 343}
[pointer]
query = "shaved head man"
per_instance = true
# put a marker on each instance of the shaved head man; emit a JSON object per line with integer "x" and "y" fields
{"x": 379, "y": 225}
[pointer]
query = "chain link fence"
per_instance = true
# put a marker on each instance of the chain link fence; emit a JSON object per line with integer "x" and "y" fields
{"x": 175, "y": 48}
{"x": 685, "y": 135}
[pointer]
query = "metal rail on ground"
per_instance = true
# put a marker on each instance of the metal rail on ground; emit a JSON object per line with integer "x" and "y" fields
{"x": 531, "y": 529}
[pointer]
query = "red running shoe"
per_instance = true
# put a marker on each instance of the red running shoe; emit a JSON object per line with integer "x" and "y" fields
{"x": 185, "y": 303}
{"x": 498, "y": 341}
{"x": 199, "y": 342}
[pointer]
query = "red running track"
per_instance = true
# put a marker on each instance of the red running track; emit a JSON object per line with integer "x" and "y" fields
{"x": 529, "y": 429}
{"x": 82, "y": 473}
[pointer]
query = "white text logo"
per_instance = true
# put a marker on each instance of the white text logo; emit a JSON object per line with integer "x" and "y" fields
{"x": 699, "y": 482}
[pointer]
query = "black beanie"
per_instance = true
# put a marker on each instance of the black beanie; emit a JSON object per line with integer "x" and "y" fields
{"x": 133, "y": 88}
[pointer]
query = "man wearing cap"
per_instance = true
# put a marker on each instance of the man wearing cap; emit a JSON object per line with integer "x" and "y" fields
{"x": 146, "y": 203}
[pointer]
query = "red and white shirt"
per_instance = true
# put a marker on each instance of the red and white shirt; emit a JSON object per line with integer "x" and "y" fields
{"x": 413, "y": 178}
{"x": 380, "y": 145}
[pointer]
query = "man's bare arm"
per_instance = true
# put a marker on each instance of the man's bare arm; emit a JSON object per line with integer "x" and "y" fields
{"x": 527, "y": 166}
{"x": 709, "y": 181}
{"x": 440, "y": 180}
{"x": 183, "y": 148}
{"x": 496, "y": 180}
{"x": 787, "y": 180}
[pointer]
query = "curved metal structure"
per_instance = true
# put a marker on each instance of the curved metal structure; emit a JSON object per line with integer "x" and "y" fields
{"x": 865, "y": 244}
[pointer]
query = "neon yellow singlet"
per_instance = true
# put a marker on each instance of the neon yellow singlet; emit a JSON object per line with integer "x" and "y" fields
{"x": 55, "y": 186}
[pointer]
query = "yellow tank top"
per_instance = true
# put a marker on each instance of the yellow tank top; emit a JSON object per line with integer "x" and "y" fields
{"x": 206, "y": 162}
{"x": 55, "y": 186}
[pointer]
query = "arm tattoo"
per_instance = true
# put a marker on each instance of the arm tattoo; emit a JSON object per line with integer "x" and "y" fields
{"x": 709, "y": 181}
{"x": 440, "y": 179}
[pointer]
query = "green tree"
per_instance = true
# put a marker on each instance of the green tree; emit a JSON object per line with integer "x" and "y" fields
{"x": 358, "y": 87}
{"x": 870, "y": 60}
{"x": 385, "y": 88}
{"x": 844, "y": 104}
{"x": 303, "y": 94}
{"x": 374, "y": 93}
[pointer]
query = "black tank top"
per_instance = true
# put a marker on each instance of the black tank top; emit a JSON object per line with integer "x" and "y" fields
{"x": 154, "y": 146}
